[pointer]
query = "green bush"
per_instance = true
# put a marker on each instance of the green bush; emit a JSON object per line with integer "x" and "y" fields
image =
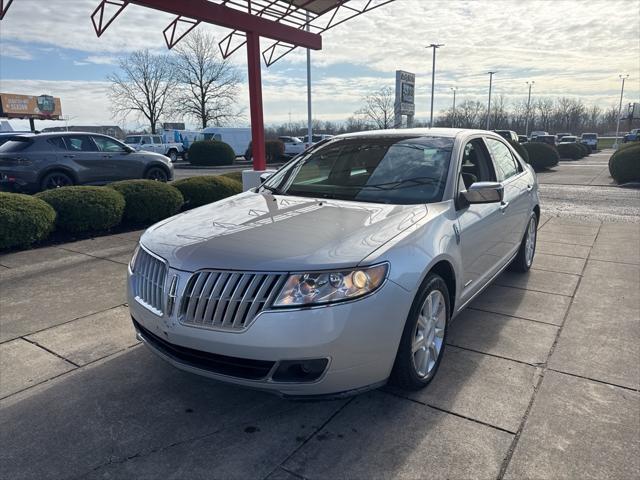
{"x": 237, "y": 176}
{"x": 624, "y": 164}
{"x": 570, "y": 151}
{"x": 208, "y": 153}
{"x": 24, "y": 220}
{"x": 586, "y": 150}
{"x": 521, "y": 150}
{"x": 148, "y": 201}
{"x": 199, "y": 191}
{"x": 541, "y": 155}
{"x": 274, "y": 150}
{"x": 84, "y": 209}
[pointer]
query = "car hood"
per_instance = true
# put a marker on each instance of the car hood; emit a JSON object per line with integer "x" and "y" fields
{"x": 263, "y": 232}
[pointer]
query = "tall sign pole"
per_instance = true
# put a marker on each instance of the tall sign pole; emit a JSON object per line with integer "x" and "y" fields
{"x": 489, "y": 105}
{"x": 405, "y": 98}
{"x": 453, "y": 121}
{"x": 623, "y": 78}
{"x": 309, "y": 115}
{"x": 435, "y": 46}
{"x": 526, "y": 123}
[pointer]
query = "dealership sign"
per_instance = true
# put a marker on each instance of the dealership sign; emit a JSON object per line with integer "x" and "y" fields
{"x": 43, "y": 107}
{"x": 405, "y": 104}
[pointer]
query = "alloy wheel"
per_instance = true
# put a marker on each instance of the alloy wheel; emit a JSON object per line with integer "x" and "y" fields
{"x": 428, "y": 336}
{"x": 57, "y": 180}
{"x": 157, "y": 174}
{"x": 530, "y": 244}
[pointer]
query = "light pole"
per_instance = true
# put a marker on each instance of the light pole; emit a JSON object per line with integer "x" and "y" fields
{"x": 526, "y": 127}
{"x": 309, "y": 116}
{"x": 489, "y": 105}
{"x": 433, "y": 77}
{"x": 623, "y": 78}
{"x": 453, "y": 122}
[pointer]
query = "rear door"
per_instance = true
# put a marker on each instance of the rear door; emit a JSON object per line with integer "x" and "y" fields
{"x": 146, "y": 144}
{"x": 515, "y": 206}
{"x": 87, "y": 159}
{"x": 158, "y": 145}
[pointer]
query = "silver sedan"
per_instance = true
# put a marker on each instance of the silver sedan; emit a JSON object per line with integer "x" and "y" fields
{"x": 344, "y": 269}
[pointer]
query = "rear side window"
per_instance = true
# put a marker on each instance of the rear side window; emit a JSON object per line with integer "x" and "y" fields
{"x": 16, "y": 144}
{"x": 57, "y": 142}
{"x": 157, "y": 139}
{"x": 506, "y": 165}
{"x": 80, "y": 143}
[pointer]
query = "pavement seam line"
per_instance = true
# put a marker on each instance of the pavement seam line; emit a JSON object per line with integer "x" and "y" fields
{"x": 521, "y": 362}
{"x": 33, "y": 342}
{"x": 594, "y": 380}
{"x": 93, "y": 256}
{"x": 293, "y": 474}
{"x": 512, "y": 316}
{"x": 543, "y": 369}
{"x": 534, "y": 290}
{"x": 311, "y": 435}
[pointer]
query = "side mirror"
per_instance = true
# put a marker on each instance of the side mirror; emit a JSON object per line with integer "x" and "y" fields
{"x": 265, "y": 176}
{"x": 484, "y": 192}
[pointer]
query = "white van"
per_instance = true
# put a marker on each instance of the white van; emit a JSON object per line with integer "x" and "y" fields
{"x": 237, "y": 138}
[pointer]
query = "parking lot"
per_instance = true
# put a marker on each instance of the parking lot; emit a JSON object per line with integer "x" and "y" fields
{"x": 540, "y": 379}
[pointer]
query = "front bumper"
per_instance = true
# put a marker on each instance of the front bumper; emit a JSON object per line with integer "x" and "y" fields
{"x": 359, "y": 339}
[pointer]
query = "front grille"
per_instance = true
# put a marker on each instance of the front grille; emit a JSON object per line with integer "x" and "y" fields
{"x": 149, "y": 273}
{"x": 223, "y": 300}
{"x": 221, "y": 364}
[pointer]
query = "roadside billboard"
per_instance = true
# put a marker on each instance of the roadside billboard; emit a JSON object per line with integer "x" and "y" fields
{"x": 42, "y": 107}
{"x": 404, "y": 102}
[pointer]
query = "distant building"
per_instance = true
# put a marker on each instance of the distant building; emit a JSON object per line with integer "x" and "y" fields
{"x": 173, "y": 126}
{"x": 111, "y": 130}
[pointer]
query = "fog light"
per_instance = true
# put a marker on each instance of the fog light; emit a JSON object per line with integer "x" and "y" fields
{"x": 300, "y": 370}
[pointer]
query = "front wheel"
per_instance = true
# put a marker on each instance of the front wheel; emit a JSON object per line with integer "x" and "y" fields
{"x": 423, "y": 339}
{"x": 173, "y": 156}
{"x": 157, "y": 173}
{"x": 524, "y": 258}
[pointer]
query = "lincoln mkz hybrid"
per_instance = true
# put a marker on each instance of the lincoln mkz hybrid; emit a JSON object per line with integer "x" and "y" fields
{"x": 344, "y": 269}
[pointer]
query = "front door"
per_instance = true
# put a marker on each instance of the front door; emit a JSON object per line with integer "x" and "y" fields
{"x": 119, "y": 164}
{"x": 82, "y": 151}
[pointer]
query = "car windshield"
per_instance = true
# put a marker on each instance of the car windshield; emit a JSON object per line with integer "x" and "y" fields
{"x": 132, "y": 140}
{"x": 589, "y": 135}
{"x": 15, "y": 144}
{"x": 395, "y": 170}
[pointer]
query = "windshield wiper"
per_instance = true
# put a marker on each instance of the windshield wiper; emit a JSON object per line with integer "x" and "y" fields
{"x": 399, "y": 183}
{"x": 273, "y": 190}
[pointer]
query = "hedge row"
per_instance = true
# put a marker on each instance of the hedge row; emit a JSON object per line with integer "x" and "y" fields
{"x": 624, "y": 164}
{"x": 25, "y": 219}
{"x": 541, "y": 155}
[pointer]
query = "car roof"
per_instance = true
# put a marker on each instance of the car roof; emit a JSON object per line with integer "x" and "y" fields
{"x": 423, "y": 132}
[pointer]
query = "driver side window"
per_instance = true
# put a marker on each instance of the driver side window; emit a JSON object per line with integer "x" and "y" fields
{"x": 476, "y": 164}
{"x": 107, "y": 145}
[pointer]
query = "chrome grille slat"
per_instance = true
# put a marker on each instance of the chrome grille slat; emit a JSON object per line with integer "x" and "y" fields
{"x": 227, "y": 300}
{"x": 149, "y": 275}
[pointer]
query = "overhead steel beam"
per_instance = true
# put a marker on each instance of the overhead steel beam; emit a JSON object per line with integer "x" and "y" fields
{"x": 171, "y": 30}
{"x": 218, "y": 14}
{"x": 4, "y": 6}
{"x": 100, "y": 23}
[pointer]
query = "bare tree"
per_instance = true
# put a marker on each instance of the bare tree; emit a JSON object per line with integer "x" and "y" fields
{"x": 378, "y": 108}
{"x": 142, "y": 87}
{"x": 208, "y": 84}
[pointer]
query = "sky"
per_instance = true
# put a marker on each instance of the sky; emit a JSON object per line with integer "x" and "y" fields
{"x": 568, "y": 48}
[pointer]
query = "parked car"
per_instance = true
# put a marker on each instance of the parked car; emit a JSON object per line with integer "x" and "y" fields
{"x": 6, "y": 136}
{"x": 155, "y": 143}
{"x": 559, "y": 136}
{"x": 315, "y": 138}
{"x": 292, "y": 145}
{"x": 549, "y": 139}
{"x": 522, "y": 139}
{"x": 343, "y": 269}
{"x": 42, "y": 161}
{"x": 538, "y": 133}
{"x": 509, "y": 135}
{"x": 236, "y": 138}
{"x": 632, "y": 136}
{"x": 568, "y": 139}
{"x": 590, "y": 140}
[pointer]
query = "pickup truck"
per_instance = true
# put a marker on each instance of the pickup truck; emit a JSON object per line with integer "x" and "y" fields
{"x": 632, "y": 136}
{"x": 154, "y": 143}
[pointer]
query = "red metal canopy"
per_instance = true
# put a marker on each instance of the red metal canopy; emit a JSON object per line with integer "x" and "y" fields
{"x": 288, "y": 23}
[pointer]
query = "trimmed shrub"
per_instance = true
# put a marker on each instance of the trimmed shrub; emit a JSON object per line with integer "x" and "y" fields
{"x": 274, "y": 150}
{"x": 198, "y": 191}
{"x": 586, "y": 150}
{"x": 24, "y": 220}
{"x": 84, "y": 209}
{"x": 570, "y": 151}
{"x": 211, "y": 153}
{"x": 521, "y": 150}
{"x": 624, "y": 164}
{"x": 148, "y": 201}
{"x": 237, "y": 176}
{"x": 541, "y": 155}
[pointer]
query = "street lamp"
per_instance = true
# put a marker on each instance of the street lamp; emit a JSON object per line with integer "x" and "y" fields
{"x": 309, "y": 115}
{"x": 489, "y": 105}
{"x": 433, "y": 77}
{"x": 526, "y": 128}
{"x": 623, "y": 78}
{"x": 453, "y": 122}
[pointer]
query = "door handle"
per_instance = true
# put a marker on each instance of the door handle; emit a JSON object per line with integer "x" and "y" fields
{"x": 69, "y": 156}
{"x": 529, "y": 188}
{"x": 503, "y": 206}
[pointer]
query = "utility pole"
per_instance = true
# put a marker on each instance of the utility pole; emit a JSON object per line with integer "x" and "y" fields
{"x": 309, "y": 116}
{"x": 526, "y": 128}
{"x": 489, "y": 105}
{"x": 453, "y": 122}
{"x": 433, "y": 77}
{"x": 623, "y": 78}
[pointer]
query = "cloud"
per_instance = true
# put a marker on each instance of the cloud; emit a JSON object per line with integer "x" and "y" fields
{"x": 14, "y": 51}
{"x": 102, "y": 59}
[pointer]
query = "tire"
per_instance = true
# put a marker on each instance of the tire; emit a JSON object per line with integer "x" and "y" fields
{"x": 524, "y": 259}
{"x": 56, "y": 179}
{"x": 411, "y": 371}
{"x": 157, "y": 173}
{"x": 173, "y": 155}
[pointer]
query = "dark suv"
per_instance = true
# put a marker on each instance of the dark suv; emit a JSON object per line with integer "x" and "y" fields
{"x": 32, "y": 162}
{"x": 509, "y": 135}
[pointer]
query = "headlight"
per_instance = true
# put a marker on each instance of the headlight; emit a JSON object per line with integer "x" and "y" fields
{"x": 132, "y": 262}
{"x": 328, "y": 287}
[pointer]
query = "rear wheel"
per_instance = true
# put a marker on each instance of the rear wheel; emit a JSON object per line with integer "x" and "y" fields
{"x": 173, "y": 155}
{"x": 423, "y": 339}
{"x": 524, "y": 258}
{"x": 158, "y": 174}
{"x": 55, "y": 180}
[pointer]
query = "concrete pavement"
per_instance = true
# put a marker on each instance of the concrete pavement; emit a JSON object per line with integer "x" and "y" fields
{"x": 540, "y": 380}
